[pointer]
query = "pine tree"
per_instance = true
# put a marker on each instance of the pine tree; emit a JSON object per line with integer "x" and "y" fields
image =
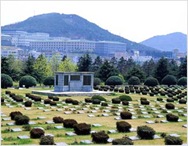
{"x": 148, "y": 67}
{"x": 84, "y": 63}
{"x": 183, "y": 68}
{"x": 96, "y": 64}
{"x": 67, "y": 66}
{"x": 136, "y": 71}
{"x": 121, "y": 66}
{"x": 29, "y": 66}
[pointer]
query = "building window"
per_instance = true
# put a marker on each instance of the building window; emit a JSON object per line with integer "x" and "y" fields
{"x": 74, "y": 77}
{"x": 66, "y": 80}
{"x": 87, "y": 80}
{"x": 56, "y": 79}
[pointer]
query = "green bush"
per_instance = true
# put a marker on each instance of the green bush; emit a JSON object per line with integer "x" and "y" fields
{"x": 169, "y": 106}
{"x": 97, "y": 81}
{"x": 134, "y": 80}
{"x": 14, "y": 114}
{"x": 123, "y": 126}
{"x": 57, "y": 119}
{"x": 99, "y": 137}
{"x": 6, "y": 81}
{"x": 145, "y": 132}
{"x": 114, "y": 80}
{"x": 172, "y": 118}
{"x": 28, "y": 104}
{"x": 49, "y": 81}
{"x": 36, "y": 133}
{"x": 169, "y": 80}
{"x": 151, "y": 81}
{"x": 98, "y": 97}
{"x": 126, "y": 115}
{"x": 171, "y": 140}
{"x": 116, "y": 100}
{"x": 21, "y": 120}
{"x": 125, "y": 98}
{"x": 122, "y": 141}
{"x": 69, "y": 123}
{"x": 182, "y": 101}
{"x": 28, "y": 81}
{"x": 182, "y": 81}
{"x": 82, "y": 129}
{"x": 47, "y": 140}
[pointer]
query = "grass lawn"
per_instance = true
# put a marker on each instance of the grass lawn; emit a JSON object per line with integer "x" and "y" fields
{"x": 10, "y": 138}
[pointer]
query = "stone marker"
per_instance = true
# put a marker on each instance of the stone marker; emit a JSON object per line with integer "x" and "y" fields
{"x": 150, "y": 122}
{"x": 92, "y": 131}
{"x": 10, "y": 124}
{"x": 132, "y": 129}
{"x": 175, "y": 135}
{"x": 131, "y": 110}
{"x": 86, "y": 141}
{"x": 91, "y": 115}
{"x": 180, "y": 111}
{"x": 133, "y": 117}
{"x": 117, "y": 118}
{"x": 49, "y": 122}
{"x": 49, "y": 135}
{"x": 6, "y": 119}
{"x": 70, "y": 133}
{"x": 67, "y": 112}
{"x": 23, "y": 137}
{"x": 134, "y": 138}
{"x": 80, "y": 112}
{"x": 110, "y": 140}
{"x": 112, "y": 131}
{"x": 41, "y": 108}
{"x": 157, "y": 112}
{"x": 164, "y": 121}
{"x": 156, "y": 137}
{"x": 59, "y": 110}
{"x": 180, "y": 120}
{"x": 41, "y": 117}
{"x": 32, "y": 123}
{"x": 3, "y": 115}
{"x": 185, "y": 126}
{"x": 96, "y": 125}
{"x": 16, "y": 129}
{"x": 60, "y": 144}
{"x": 27, "y": 108}
{"x": 38, "y": 128}
{"x": 144, "y": 113}
{"x": 59, "y": 127}
{"x": 106, "y": 111}
{"x": 94, "y": 111}
{"x": 46, "y": 110}
{"x": 147, "y": 116}
{"x": 105, "y": 115}
{"x": 160, "y": 116}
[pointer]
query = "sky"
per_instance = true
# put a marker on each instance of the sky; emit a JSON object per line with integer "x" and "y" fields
{"x": 133, "y": 20}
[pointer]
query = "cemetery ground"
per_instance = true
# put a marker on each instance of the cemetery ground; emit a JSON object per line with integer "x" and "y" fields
{"x": 104, "y": 117}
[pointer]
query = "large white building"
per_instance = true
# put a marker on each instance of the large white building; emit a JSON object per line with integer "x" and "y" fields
{"x": 7, "y": 50}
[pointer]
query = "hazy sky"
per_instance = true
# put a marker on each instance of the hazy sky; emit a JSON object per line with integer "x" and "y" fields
{"x": 134, "y": 20}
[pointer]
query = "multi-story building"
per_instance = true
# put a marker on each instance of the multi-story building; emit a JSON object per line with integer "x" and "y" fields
{"x": 8, "y": 50}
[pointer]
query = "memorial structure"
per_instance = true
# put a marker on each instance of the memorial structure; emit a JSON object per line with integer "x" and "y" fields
{"x": 73, "y": 81}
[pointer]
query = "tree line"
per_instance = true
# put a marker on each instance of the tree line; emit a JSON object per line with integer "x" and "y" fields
{"x": 41, "y": 68}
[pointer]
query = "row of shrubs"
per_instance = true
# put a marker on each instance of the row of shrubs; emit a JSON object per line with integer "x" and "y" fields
{"x": 19, "y": 118}
{"x": 33, "y": 97}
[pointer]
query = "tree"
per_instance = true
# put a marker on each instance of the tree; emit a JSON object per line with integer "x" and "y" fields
{"x": 122, "y": 66}
{"x": 27, "y": 81}
{"x": 114, "y": 61}
{"x": 114, "y": 80}
{"x": 96, "y": 64}
{"x": 54, "y": 62}
{"x": 29, "y": 66}
{"x": 148, "y": 67}
{"x": 169, "y": 80}
{"x": 84, "y": 63}
{"x": 42, "y": 69}
{"x": 49, "y": 81}
{"x": 107, "y": 70}
{"x": 136, "y": 71}
{"x": 5, "y": 66}
{"x": 173, "y": 68}
{"x": 6, "y": 81}
{"x": 183, "y": 68}
{"x": 67, "y": 66}
{"x": 161, "y": 69}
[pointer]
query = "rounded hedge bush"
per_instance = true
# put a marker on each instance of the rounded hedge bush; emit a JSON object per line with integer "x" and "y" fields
{"x": 125, "y": 102}
{"x": 49, "y": 81}
{"x": 182, "y": 101}
{"x": 116, "y": 100}
{"x": 134, "y": 80}
{"x": 171, "y": 140}
{"x": 97, "y": 81}
{"x": 114, "y": 80}
{"x": 99, "y": 97}
{"x": 169, "y": 106}
{"x": 99, "y": 137}
{"x": 28, "y": 81}
{"x": 122, "y": 141}
{"x": 88, "y": 100}
{"x": 145, "y": 132}
{"x": 169, "y": 80}
{"x": 69, "y": 123}
{"x": 57, "y": 119}
{"x": 172, "y": 118}
{"x": 47, "y": 140}
{"x": 126, "y": 115}
{"x": 21, "y": 120}
{"x": 104, "y": 104}
{"x": 182, "y": 81}
{"x": 28, "y": 104}
{"x": 6, "y": 81}
{"x": 82, "y": 129}
{"x": 14, "y": 114}
{"x": 96, "y": 101}
{"x": 125, "y": 98}
{"x": 36, "y": 133}
{"x": 151, "y": 81}
{"x": 123, "y": 126}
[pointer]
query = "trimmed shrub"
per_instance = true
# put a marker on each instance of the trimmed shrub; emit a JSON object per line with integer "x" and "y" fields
{"x": 172, "y": 118}
{"x": 7, "y": 92}
{"x": 96, "y": 101}
{"x": 88, "y": 100}
{"x": 82, "y": 129}
{"x": 170, "y": 100}
{"x": 99, "y": 137}
{"x": 145, "y": 132}
{"x": 182, "y": 101}
{"x": 57, "y": 119}
{"x": 14, "y": 114}
{"x": 96, "y": 82}
{"x": 69, "y": 123}
{"x": 49, "y": 81}
{"x": 169, "y": 106}
{"x": 125, "y": 98}
{"x": 151, "y": 81}
{"x": 126, "y": 115}
{"x": 47, "y": 140}
{"x": 53, "y": 103}
{"x": 75, "y": 102}
{"x": 122, "y": 141}
{"x": 182, "y": 81}
{"x": 125, "y": 102}
{"x": 47, "y": 101}
{"x": 28, "y": 104}
{"x": 169, "y": 80}
{"x": 144, "y": 102}
{"x": 68, "y": 100}
{"x": 159, "y": 99}
{"x": 98, "y": 97}
{"x": 21, "y": 120}
{"x": 104, "y": 104}
{"x": 116, "y": 100}
{"x": 134, "y": 80}
{"x": 171, "y": 140}
{"x": 55, "y": 98}
{"x": 114, "y": 80}
{"x": 2, "y": 100}
{"x": 28, "y": 81}
{"x": 36, "y": 133}
{"x": 123, "y": 126}
{"x": 6, "y": 81}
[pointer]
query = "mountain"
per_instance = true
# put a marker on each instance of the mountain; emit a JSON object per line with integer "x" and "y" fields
{"x": 169, "y": 42}
{"x": 75, "y": 27}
